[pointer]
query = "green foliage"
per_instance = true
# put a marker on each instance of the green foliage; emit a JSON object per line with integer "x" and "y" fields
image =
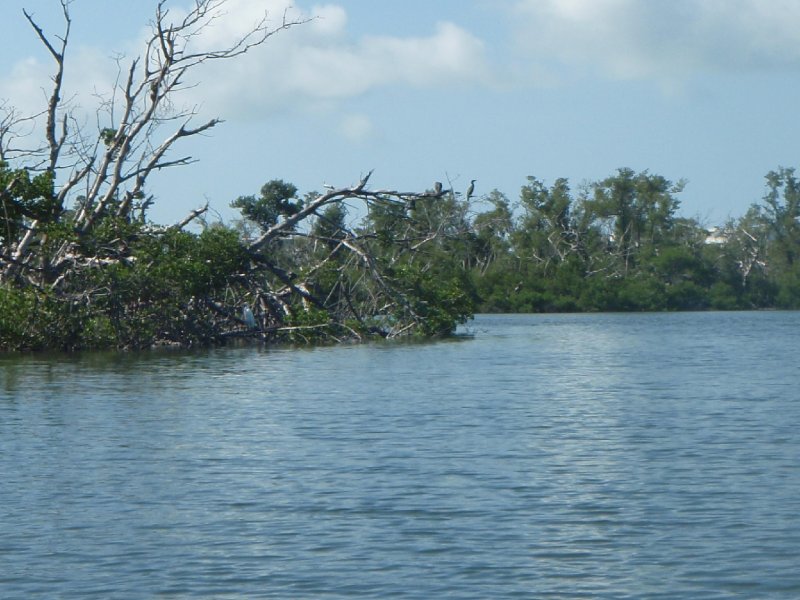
{"x": 164, "y": 292}
{"x": 723, "y": 296}
{"x": 277, "y": 200}
{"x": 31, "y": 320}
{"x": 687, "y": 295}
{"x": 330, "y": 224}
{"x": 619, "y": 245}
{"x": 330, "y": 228}
{"x": 442, "y": 301}
{"x": 24, "y": 198}
{"x": 107, "y": 135}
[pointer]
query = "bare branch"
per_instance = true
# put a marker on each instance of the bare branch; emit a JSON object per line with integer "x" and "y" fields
{"x": 149, "y": 84}
{"x": 197, "y": 212}
{"x": 54, "y": 141}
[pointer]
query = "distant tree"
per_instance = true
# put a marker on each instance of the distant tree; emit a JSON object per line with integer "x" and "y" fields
{"x": 781, "y": 213}
{"x": 493, "y": 230}
{"x": 545, "y": 232}
{"x": 277, "y": 200}
{"x": 641, "y": 210}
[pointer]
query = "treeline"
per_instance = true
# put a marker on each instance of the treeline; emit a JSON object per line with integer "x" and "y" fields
{"x": 620, "y": 245}
{"x": 355, "y": 263}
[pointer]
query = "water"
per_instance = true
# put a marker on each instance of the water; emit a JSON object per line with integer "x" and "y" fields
{"x": 563, "y": 456}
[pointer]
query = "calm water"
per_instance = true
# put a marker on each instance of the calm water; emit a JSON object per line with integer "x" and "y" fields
{"x": 567, "y": 456}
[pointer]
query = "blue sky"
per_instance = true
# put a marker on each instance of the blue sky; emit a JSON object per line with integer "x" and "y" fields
{"x": 495, "y": 90}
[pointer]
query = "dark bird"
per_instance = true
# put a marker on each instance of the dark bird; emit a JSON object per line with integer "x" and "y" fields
{"x": 471, "y": 188}
{"x": 437, "y": 188}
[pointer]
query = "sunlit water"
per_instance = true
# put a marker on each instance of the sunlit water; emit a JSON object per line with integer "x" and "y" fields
{"x": 565, "y": 456}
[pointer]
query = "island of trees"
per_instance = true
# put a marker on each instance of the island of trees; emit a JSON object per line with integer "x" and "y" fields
{"x": 620, "y": 245}
{"x": 82, "y": 266}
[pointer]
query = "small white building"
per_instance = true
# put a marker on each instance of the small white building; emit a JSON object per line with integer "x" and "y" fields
{"x": 716, "y": 235}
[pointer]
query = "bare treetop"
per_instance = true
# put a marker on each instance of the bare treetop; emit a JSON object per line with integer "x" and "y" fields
{"x": 106, "y": 172}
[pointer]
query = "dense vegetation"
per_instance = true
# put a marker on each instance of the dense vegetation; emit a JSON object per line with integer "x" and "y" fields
{"x": 290, "y": 270}
{"x": 620, "y": 245}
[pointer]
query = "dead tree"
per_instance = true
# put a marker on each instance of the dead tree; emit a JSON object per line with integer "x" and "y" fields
{"x": 105, "y": 175}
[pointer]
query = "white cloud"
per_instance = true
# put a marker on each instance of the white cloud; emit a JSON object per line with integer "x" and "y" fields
{"x": 89, "y": 75}
{"x": 24, "y": 86}
{"x": 329, "y": 20}
{"x": 357, "y": 128}
{"x": 313, "y": 64}
{"x": 320, "y": 62}
{"x": 630, "y": 39}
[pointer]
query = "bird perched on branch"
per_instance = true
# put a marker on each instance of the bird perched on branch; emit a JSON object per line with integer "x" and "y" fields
{"x": 437, "y": 188}
{"x": 471, "y": 188}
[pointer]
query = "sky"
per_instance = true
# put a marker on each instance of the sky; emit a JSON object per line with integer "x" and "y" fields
{"x": 451, "y": 90}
